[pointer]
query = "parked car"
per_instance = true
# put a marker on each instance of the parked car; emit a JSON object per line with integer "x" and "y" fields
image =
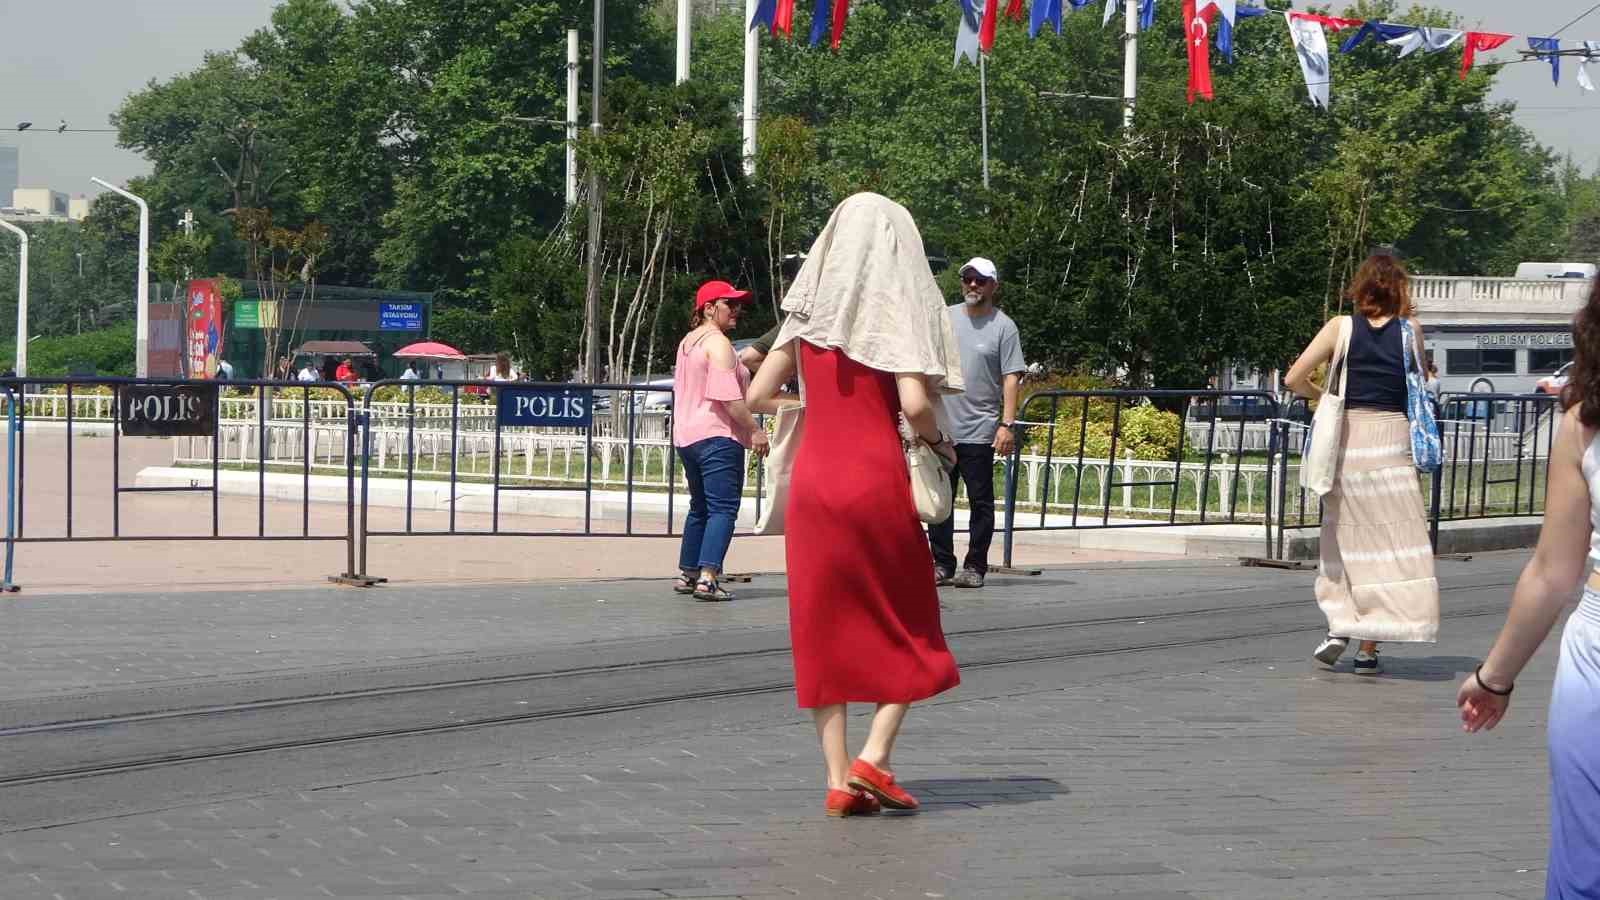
{"x": 1249, "y": 408}
{"x": 643, "y": 400}
{"x": 1555, "y": 382}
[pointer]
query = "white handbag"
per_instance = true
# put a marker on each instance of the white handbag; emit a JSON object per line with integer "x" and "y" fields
{"x": 1321, "y": 459}
{"x": 779, "y": 465}
{"x": 931, "y": 490}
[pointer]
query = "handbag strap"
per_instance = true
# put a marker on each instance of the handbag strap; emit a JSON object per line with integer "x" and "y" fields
{"x": 1337, "y": 375}
{"x": 1413, "y": 359}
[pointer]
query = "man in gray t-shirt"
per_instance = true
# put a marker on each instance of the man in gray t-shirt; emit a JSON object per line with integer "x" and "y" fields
{"x": 981, "y": 419}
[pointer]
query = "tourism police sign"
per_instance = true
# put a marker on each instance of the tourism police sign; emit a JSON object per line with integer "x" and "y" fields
{"x": 168, "y": 410}
{"x": 546, "y": 407}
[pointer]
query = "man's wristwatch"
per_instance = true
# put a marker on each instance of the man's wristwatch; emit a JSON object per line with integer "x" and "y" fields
{"x": 1012, "y": 425}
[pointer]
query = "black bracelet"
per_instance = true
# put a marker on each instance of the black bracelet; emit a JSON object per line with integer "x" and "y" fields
{"x": 1478, "y": 674}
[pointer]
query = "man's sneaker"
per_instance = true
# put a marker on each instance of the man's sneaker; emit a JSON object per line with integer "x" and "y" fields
{"x": 969, "y": 578}
{"x": 1329, "y": 651}
{"x": 942, "y": 577}
{"x": 1367, "y": 663}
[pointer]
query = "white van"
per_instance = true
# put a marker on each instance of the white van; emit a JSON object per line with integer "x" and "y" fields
{"x": 1534, "y": 271}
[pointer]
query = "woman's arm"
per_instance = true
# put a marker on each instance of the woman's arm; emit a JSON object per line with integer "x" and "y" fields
{"x": 1547, "y": 583}
{"x": 916, "y": 404}
{"x": 776, "y": 370}
{"x": 1318, "y": 352}
{"x": 719, "y": 353}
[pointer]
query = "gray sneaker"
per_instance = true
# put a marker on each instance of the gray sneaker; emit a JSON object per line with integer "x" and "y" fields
{"x": 969, "y": 578}
{"x": 1329, "y": 651}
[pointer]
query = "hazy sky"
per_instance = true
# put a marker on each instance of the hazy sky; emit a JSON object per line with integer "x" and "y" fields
{"x": 77, "y": 60}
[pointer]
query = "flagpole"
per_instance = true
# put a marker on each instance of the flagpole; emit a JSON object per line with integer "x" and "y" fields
{"x": 752, "y": 62}
{"x": 685, "y": 24}
{"x": 1130, "y": 65}
{"x": 983, "y": 109}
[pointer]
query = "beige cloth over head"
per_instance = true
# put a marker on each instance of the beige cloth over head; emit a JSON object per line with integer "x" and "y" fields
{"x": 866, "y": 290}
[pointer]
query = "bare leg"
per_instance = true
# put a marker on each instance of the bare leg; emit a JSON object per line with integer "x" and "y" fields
{"x": 835, "y": 752}
{"x": 885, "y": 728}
{"x": 1368, "y": 647}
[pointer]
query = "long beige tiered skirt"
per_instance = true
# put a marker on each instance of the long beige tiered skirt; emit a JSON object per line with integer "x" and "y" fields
{"x": 1377, "y": 581}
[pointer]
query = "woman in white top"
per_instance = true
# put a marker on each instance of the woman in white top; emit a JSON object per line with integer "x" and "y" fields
{"x": 1569, "y": 536}
{"x": 502, "y": 369}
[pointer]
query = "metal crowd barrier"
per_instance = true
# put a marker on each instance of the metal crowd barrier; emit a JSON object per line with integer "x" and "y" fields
{"x": 1083, "y": 458}
{"x": 156, "y": 408}
{"x": 1496, "y": 461}
{"x": 533, "y": 418}
{"x": 1076, "y": 411}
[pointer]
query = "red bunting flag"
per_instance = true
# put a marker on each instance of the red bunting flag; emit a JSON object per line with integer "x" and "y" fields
{"x": 1014, "y": 11}
{"x": 841, "y": 11}
{"x": 783, "y": 19}
{"x": 986, "y": 27}
{"x": 1198, "y": 27}
{"x": 1479, "y": 40}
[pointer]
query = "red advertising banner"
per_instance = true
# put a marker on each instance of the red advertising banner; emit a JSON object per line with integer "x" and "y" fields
{"x": 204, "y": 332}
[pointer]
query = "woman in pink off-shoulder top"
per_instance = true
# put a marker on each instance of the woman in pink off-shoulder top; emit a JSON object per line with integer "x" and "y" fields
{"x": 711, "y": 427}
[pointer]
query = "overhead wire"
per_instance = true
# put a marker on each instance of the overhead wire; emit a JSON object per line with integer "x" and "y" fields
{"x": 1590, "y": 11}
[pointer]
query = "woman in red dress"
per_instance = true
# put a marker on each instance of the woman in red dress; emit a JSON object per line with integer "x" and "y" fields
{"x": 868, "y": 334}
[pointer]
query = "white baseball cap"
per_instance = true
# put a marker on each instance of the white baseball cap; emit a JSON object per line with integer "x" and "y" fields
{"x": 982, "y": 266}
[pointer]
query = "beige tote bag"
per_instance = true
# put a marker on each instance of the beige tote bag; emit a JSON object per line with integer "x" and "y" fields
{"x": 1327, "y": 427}
{"x": 779, "y": 465}
{"x": 931, "y": 490}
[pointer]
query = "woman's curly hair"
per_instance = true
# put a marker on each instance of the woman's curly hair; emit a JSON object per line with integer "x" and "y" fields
{"x": 1381, "y": 287}
{"x": 1583, "y": 388}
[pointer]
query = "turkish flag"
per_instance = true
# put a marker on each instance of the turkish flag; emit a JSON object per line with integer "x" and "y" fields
{"x": 1198, "y": 29}
{"x": 1015, "y": 10}
{"x": 841, "y": 11}
{"x": 986, "y": 27}
{"x": 783, "y": 19}
{"x": 1479, "y": 40}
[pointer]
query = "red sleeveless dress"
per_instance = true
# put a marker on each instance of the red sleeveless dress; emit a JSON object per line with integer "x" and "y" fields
{"x": 863, "y": 608}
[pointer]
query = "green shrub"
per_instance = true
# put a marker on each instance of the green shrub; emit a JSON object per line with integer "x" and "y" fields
{"x": 109, "y": 351}
{"x": 1143, "y": 431}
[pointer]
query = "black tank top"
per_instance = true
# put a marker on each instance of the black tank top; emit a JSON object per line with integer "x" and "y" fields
{"x": 1377, "y": 366}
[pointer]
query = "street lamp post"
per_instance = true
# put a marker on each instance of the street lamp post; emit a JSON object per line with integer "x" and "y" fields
{"x": 22, "y": 299}
{"x": 591, "y": 294}
{"x": 141, "y": 340}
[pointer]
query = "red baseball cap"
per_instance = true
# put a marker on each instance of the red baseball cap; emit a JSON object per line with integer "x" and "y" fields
{"x": 712, "y": 291}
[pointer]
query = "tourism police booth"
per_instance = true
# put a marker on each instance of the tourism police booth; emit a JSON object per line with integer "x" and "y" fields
{"x": 382, "y": 320}
{"x": 1499, "y": 335}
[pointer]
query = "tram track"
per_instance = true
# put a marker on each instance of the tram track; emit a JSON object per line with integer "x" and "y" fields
{"x": 73, "y": 749}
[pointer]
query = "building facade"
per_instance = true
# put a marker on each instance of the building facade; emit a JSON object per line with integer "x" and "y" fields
{"x": 10, "y": 171}
{"x": 41, "y": 202}
{"x": 1498, "y": 335}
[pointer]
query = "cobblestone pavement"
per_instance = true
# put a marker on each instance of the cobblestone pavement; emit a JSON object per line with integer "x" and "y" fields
{"x": 1232, "y": 769}
{"x": 108, "y": 639}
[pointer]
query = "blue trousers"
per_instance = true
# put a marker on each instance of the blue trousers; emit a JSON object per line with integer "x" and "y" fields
{"x": 714, "y": 468}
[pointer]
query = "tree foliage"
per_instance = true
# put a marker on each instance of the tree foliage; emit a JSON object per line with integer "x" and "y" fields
{"x": 424, "y": 136}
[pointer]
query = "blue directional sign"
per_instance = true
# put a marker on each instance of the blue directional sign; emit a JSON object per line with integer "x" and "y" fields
{"x": 546, "y": 407}
{"x": 400, "y": 317}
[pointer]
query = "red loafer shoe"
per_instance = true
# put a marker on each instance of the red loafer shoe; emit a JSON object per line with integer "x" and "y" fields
{"x": 880, "y": 784}
{"x": 849, "y": 803}
{"x": 866, "y": 805}
{"x": 839, "y": 804}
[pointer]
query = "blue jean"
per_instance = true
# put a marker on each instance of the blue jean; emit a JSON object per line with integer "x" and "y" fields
{"x": 714, "y": 468}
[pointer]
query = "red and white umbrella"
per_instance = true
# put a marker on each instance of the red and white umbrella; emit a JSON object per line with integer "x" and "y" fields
{"x": 429, "y": 350}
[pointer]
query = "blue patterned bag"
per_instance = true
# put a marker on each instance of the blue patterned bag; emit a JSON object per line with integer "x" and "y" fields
{"x": 1426, "y": 449}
